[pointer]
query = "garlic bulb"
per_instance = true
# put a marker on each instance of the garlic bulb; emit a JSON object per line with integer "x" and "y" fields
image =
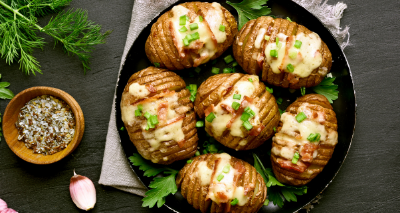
{"x": 9, "y": 211}
{"x": 82, "y": 191}
{"x": 3, "y": 205}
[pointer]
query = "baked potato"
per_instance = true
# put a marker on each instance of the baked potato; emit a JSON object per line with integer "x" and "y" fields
{"x": 159, "y": 116}
{"x": 190, "y": 34}
{"x": 239, "y": 112}
{"x": 285, "y": 53}
{"x": 304, "y": 141}
{"x": 226, "y": 183}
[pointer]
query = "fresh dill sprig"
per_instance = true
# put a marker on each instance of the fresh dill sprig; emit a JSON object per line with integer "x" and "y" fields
{"x": 18, "y": 28}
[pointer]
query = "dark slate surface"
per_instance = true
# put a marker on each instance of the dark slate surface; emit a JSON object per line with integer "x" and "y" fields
{"x": 367, "y": 182}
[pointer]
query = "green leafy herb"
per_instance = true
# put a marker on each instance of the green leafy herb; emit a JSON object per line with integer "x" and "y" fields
{"x": 220, "y": 177}
{"x": 235, "y": 105}
{"x": 189, "y": 161}
{"x": 270, "y": 90}
{"x": 210, "y": 117}
{"x": 234, "y": 202}
{"x": 237, "y": 96}
{"x": 197, "y": 153}
{"x": 281, "y": 111}
{"x": 122, "y": 128}
{"x": 4, "y": 92}
{"x": 251, "y": 80}
{"x": 250, "y": 9}
{"x": 149, "y": 168}
{"x": 300, "y": 117}
{"x": 222, "y": 28}
{"x": 295, "y": 158}
{"x": 303, "y": 90}
{"x": 314, "y": 137}
{"x": 183, "y": 29}
{"x": 199, "y": 123}
{"x": 287, "y": 18}
{"x": 71, "y": 29}
{"x": 298, "y": 44}
{"x": 277, "y": 191}
{"x": 194, "y": 26}
{"x": 328, "y": 89}
{"x": 193, "y": 91}
{"x": 290, "y": 67}
{"x": 247, "y": 125}
{"x": 214, "y": 70}
{"x": 227, "y": 70}
{"x": 228, "y": 59}
{"x": 274, "y": 53}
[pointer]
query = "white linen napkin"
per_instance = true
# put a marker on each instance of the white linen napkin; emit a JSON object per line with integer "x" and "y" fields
{"x": 116, "y": 171}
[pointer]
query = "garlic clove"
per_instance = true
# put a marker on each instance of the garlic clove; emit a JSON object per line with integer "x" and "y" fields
{"x": 82, "y": 191}
{"x": 8, "y": 211}
{"x": 3, "y": 205}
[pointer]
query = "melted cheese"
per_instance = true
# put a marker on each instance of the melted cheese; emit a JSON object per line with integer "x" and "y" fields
{"x": 128, "y": 114}
{"x": 214, "y": 18}
{"x": 306, "y": 127}
{"x": 204, "y": 173}
{"x": 275, "y": 63}
{"x": 224, "y": 186}
{"x": 239, "y": 194}
{"x": 170, "y": 132}
{"x": 260, "y": 37}
{"x": 138, "y": 90}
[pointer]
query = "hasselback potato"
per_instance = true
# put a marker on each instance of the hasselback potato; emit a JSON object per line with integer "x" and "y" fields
{"x": 226, "y": 183}
{"x": 239, "y": 112}
{"x": 159, "y": 116}
{"x": 190, "y": 34}
{"x": 299, "y": 58}
{"x": 305, "y": 140}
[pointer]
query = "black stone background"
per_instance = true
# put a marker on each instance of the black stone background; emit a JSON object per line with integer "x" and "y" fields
{"x": 367, "y": 182}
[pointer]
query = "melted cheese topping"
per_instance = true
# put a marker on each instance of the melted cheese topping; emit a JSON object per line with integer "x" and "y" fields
{"x": 260, "y": 37}
{"x": 138, "y": 90}
{"x": 308, "y": 57}
{"x": 166, "y": 133}
{"x": 204, "y": 173}
{"x": 239, "y": 194}
{"x": 214, "y": 18}
{"x": 128, "y": 114}
{"x": 306, "y": 127}
{"x": 222, "y": 118}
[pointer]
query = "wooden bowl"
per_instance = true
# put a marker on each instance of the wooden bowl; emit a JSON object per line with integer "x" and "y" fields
{"x": 11, "y": 133}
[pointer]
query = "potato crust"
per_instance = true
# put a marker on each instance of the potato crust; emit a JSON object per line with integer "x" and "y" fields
{"x": 253, "y": 60}
{"x": 216, "y": 88}
{"x": 317, "y": 104}
{"x": 163, "y": 81}
{"x": 196, "y": 193}
{"x": 160, "y": 47}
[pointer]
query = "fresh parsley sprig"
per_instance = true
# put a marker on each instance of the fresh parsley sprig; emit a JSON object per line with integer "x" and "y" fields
{"x": 18, "y": 28}
{"x": 250, "y": 9}
{"x": 4, "y": 92}
{"x": 327, "y": 88}
{"x": 161, "y": 187}
{"x": 276, "y": 190}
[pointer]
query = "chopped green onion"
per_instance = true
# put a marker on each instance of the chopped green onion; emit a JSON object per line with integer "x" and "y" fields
{"x": 290, "y": 67}
{"x": 297, "y": 44}
{"x": 197, "y": 69}
{"x": 182, "y": 20}
{"x": 226, "y": 168}
{"x": 154, "y": 119}
{"x": 156, "y": 64}
{"x": 147, "y": 127}
{"x": 200, "y": 18}
{"x": 270, "y": 90}
{"x": 214, "y": 61}
{"x": 293, "y": 55}
{"x": 279, "y": 100}
{"x": 220, "y": 177}
{"x": 314, "y": 137}
{"x": 195, "y": 36}
{"x": 289, "y": 19}
{"x": 215, "y": 70}
{"x": 197, "y": 153}
{"x": 245, "y": 116}
{"x": 138, "y": 113}
{"x": 183, "y": 29}
{"x": 149, "y": 124}
{"x": 122, "y": 128}
{"x": 205, "y": 151}
{"x": 274, "y": 129}
{"x": 227, "y": 70}
{"x": 303, "y": 90}
{"x": 193, "y": 90}
{"x": 277, "y": 41}
{"x": 248, "y": 110}
{"x": 147, "y": 115}
{"x": 234, "y": 202}
{"x": 189, "y": 161}
{"x": 199, "y": 123}
{"x": 210, "y": 117}
{"x": 281, "y": 111}
{"x": 212, "y": 148}
{"x": 237, "y": 96}
{"x": 228, "y": 59}
{"x": 186, "y": 41}
{"x": 274, "y": 53}
{"x": 301, "y": 117}
{"x": 266, "y": 202}
{"x": 234, "y": 64}
{"x": 266, "y": 38}
{"x": 251, "y": 80}
{"x": 194, "y": 26}
{"x": 295, "y": 158}
{"x": 235, "y": 105}
{"x": 279, "y": 46}
{"x": 222, "y": 28}
{"x": 247, "y": 125}
{"x": 140, "y": 107}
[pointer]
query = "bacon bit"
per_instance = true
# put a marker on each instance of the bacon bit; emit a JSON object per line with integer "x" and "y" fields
{"x": 307, "y": 152}
{"x": 222, "y": 197}
{"x": 287, "y": 164}
{"x": 228, "y": 207}
{"x": 240, "y": 169}
{"x": 162, "y": 111}
{"x": 292, "y": 78}
{"x": 315, "y": 115}
{"x": 245, "y": 103}
{"x": 260, "y": 60}
{"x": 269, "y": 30}
{"x": 209, "y": 110}
{"x": 316, "y": 53}
{"x": 226, "y": 91}
{"x": 181, "y": 143}
{"x": 171, "y": 121}
{"x": 255, "y": 131}
{"x": 228, "y": 108}
{"x": 151, "y": 88}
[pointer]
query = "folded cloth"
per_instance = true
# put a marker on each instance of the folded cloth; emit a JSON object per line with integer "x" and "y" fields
{"x": 116, "y": 171}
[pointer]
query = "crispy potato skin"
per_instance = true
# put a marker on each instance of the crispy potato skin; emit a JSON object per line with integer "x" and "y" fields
{"x": 319, "y": 104}
{"x": 195, "y": 192}
{"x": 208, "y": 94}
{"x": 162, "y": 80}
{"x": 160, "y": 47}
{"x": 244, "y": 51}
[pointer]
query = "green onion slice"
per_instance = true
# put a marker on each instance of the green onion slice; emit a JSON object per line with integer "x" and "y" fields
{"x": 227, "y": 70}
{"x": 226, "y": 169}
{"x": 220, "y": 177}
{"x": 183, "y": 29}
{"x": 234, "y": 64}
{"x": 289, "y": 19}
{"x": 237, "y": 96}
{"x": 197, "y": 69}
{"x": 251, "y": 80}
{"x": 279, "y": 100}
{"x": 270, "y": 90}
{"x": 210, "y": 117}
{"x": 274, "y": 53}
{"x": 200, "y": 18}
{"x": 215, "y": 70}
{"x": 199, "y": 123}
{"x": 295, "y": 158}
{"x": 138, "y": 113}
{"x": 154, "y": 119}
{"x": 194, "y": 26}
{"x": 228, "y": 59}
{"x": 222, "y": 28}
{"x": 186, "y": 41}
{"x": 293, "y": 55}
{"x": 303, "y": 90}
{"x": 290, "y": 67}
{"x": 189, "y": 161}
{"x": 234, "y": 202}
{"x": 156, "y": 64}
{"x": 235, "y": 105}
{"x": 197, "y": 153}
{"x": 122, "y": 128}
{"x": 266, "y": 38}
{"x": 245, "y": 116}
{"x": 297, "y": 44}
{"x": 314, "y": 137}
{"x": 274, "y": 129}
{"x": 301, "y": 117}
{"x": 247, "y": 125}
{"x": 182, "y": 20}
{"x": 147, "y": 115}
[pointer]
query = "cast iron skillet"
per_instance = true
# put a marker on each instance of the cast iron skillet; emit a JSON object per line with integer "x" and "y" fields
{"x": 344, "y": 106}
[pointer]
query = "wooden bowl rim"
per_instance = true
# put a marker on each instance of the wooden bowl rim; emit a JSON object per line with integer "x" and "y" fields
{"x": 44, "y": 159}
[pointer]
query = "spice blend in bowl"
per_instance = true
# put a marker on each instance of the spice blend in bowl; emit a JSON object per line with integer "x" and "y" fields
{"x": 46, "y": 124}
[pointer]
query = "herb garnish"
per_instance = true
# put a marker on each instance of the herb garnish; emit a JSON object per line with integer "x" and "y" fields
{"x": 276, "y": 190}
{"x": 71, "y": 29}
{"x": 250, "y": 9}
{"x": 4, "y": 92}
{"x": 328, "y": 89}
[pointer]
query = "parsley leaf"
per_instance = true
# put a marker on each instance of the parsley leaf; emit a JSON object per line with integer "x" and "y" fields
{"x": 4, "y": 92}
{"x": 250, "y": 9}
{"x": 149, "y": 169}
{"x": 328, "y": 89}
{"x": 277, "y": 191}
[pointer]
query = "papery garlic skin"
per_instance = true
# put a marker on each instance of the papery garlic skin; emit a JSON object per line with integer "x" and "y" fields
{"x": 82, "y": 191}
{"x": 8, "y": 211}
{"x": 3, "y": 205}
